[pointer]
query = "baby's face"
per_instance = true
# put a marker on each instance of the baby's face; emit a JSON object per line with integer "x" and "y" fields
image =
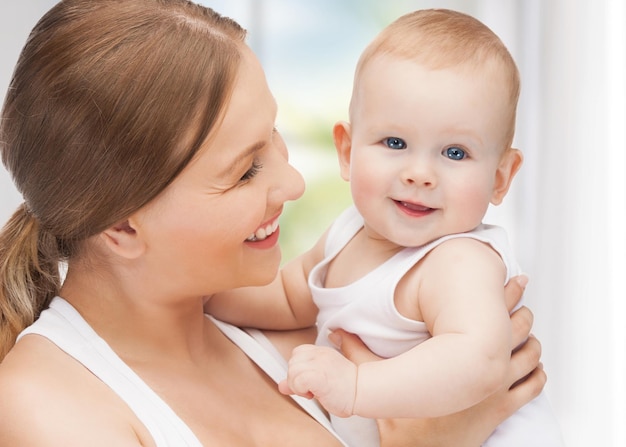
{"x": 426, "y": 146}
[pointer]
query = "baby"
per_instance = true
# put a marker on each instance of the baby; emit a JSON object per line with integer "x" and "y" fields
{"x": 410, "y": 267}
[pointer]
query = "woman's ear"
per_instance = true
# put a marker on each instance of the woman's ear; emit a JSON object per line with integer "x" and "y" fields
{"x": 342, "y": 136}
{"x": 510, "y": 163}
{"x": 123, "y": 239}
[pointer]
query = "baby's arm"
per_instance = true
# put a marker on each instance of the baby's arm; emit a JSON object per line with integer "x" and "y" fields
{"x": 283, "y": 304}
{"x": 461, "y": 299}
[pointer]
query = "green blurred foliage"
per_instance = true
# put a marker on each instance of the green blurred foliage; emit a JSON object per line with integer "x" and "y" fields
{"x": 308, "y": 135}
{"x": 306, "y": 219}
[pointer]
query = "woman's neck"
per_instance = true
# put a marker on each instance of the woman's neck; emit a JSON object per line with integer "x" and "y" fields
{"x": 134, "y": 319}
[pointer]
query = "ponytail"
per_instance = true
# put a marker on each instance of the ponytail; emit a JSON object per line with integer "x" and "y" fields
{"x": 29, "y": 274}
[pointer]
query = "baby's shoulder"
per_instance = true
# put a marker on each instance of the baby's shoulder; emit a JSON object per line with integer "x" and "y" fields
{"x": 459, "y": 251}
{"x": 456, "y": 262}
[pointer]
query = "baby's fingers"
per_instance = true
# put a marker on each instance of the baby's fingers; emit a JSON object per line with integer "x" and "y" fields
{"x": 303, "y": 376}
{"x": 284, "y": 388}
{"x": 323, "y": 373}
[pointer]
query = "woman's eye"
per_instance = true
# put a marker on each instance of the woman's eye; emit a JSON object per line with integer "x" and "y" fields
{"x": 254, "y": 170}
{"x": 455, "y": 153}
{"x": 394, "y": 143}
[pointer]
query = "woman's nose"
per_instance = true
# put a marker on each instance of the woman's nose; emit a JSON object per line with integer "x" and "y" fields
{"x": 288, "y": 183}
{"x": 293, "y": 182}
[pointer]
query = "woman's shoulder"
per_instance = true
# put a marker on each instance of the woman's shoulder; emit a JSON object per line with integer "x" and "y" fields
{"x": 27, "y": 373}
{"x": 48, "y": 398}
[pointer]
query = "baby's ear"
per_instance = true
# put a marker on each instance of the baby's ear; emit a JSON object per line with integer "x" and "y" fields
{"x": 342, "y": 136}
{"x": 510, "y": 163}
{"x": 123, "y": 239}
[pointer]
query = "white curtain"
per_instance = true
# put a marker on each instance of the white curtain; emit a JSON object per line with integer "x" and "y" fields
{"x": 569, "y": 206}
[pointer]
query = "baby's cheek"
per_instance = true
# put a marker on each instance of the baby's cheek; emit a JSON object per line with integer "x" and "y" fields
{"x": 473, "y": 205}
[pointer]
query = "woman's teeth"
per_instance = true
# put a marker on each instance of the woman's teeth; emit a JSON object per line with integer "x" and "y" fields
{"x": 263, "y": 233}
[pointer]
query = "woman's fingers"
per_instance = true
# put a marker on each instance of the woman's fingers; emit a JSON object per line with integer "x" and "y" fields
{"x": 514, "y": 290}
{"x": 526, "y": 390}
{"x": 524, "y": 361}
{"x": 352, "y": 347}
{"x": 521, "y": 324}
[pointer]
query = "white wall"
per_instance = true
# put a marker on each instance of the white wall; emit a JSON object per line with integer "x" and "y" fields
{"x": 16, "y": 20}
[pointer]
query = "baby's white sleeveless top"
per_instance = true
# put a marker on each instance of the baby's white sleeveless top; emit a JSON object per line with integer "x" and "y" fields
{"x": 366, "y": 307}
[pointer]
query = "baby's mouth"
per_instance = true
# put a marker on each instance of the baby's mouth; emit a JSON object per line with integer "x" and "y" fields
{"x": 414, "y": 206}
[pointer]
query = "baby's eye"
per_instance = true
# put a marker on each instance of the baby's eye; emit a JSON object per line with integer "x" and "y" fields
{"x": 454, "y": 153}
{"x": 254, "y": 170}
{"x": 394, "y": 143}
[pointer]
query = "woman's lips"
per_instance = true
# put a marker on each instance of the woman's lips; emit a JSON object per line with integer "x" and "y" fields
{"x": 264, "y": 232}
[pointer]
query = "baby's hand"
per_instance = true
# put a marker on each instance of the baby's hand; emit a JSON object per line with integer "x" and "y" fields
{"x": 323, "y": 373}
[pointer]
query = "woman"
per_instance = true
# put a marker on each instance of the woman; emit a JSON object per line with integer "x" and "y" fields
{"x": 141, "y": 135}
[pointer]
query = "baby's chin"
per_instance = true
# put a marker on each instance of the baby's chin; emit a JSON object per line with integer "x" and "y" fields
{"x": 411, "y": 237}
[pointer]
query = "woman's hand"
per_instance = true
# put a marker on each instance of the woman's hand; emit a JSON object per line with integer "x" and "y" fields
{"x": 471, "y": 427}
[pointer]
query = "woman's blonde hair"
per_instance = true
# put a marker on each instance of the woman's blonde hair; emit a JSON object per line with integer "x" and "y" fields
{"x": 109, "y": 101}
